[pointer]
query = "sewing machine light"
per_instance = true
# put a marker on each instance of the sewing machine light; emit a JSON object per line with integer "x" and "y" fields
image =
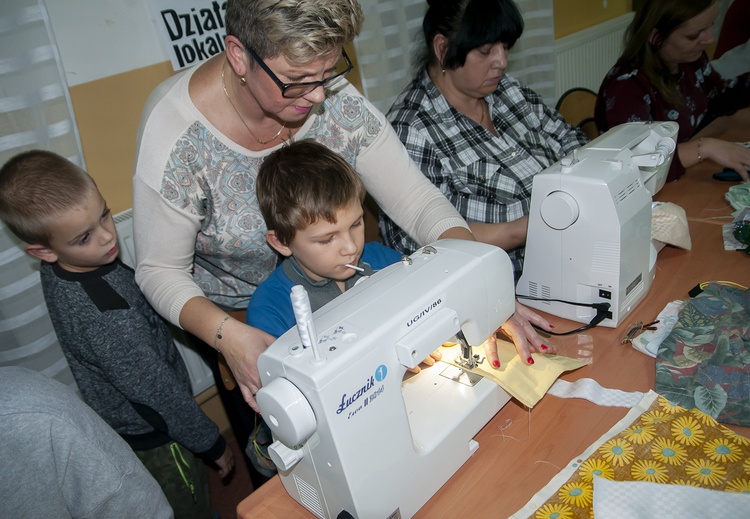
{"x": 413, "y": 347}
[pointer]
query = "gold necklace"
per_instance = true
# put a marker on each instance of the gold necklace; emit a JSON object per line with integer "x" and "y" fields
{"x": 224, "y": 88}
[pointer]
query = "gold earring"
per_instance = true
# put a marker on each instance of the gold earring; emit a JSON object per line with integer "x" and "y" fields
{"x": 242, "y": 81}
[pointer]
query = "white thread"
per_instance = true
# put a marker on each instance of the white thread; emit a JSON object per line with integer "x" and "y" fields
{"x": 508, "y": 424}
{"x": 549, "y": 463}
{"x": 303, "y": 314}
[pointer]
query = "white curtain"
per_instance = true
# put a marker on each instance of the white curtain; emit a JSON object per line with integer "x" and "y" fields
{"x": 35, "y": 113}
{"x": 393, "y": 31}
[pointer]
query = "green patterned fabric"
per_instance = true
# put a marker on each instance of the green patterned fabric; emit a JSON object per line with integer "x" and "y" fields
{"x": 704, "y": 362}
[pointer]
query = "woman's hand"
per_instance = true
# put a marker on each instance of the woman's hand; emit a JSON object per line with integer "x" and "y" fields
{"x": 434, "y": 357}
{"x": 724, "y": 153}
{"x": 241, "y": 346}
{"x": 525, "y": 338}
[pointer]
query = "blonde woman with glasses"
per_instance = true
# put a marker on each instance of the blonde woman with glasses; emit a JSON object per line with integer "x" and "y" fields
{"x": 200, "y": 237}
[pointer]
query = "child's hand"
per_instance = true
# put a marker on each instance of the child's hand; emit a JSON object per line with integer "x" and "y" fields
{"x": 429, "y": 361}
{"x": 225, "y": 463}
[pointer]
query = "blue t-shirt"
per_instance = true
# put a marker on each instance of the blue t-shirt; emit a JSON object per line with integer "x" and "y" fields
{"x": 270, "y": 307}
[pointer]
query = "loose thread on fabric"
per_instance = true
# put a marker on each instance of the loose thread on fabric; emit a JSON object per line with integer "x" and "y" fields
{"x": 549, "y": 463}
{"x": 509, "y": 423}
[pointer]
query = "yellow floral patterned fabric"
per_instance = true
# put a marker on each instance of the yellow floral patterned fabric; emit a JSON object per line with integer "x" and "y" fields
{"x": 665, "y": 444}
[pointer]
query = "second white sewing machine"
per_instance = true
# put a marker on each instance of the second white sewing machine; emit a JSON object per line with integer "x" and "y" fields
{"x": 353, "y": 438}
{"x": 589, "y": 234}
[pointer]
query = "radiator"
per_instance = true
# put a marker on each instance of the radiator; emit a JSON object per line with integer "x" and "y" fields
{"x": 584, "y": 58}
{"x": 201, "y": 377}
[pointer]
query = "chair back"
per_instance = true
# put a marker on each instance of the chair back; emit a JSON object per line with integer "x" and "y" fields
{"x": 577, "y": 108}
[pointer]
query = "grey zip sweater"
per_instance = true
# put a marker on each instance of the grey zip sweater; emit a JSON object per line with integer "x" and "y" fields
{"x": 124, "y": 360}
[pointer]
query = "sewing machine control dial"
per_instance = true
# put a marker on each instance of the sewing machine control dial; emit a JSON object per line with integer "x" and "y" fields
{"x": 283, "y": 457}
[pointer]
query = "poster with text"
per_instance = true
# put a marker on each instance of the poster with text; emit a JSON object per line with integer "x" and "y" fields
{"x": 191, "y": 30}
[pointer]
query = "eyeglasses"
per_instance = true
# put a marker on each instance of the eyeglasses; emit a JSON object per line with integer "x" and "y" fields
{"x": 294, "y": 90}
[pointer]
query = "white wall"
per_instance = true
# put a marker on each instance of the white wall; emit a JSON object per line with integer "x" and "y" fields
{"x": 100, "y": 38}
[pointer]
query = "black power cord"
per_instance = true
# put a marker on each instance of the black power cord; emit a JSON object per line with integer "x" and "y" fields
{"x": 602, "y": 312}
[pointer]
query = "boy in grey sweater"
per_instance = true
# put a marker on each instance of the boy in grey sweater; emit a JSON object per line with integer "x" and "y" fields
{"x": 120, "y": 351}
{"x": 61, "y": 460}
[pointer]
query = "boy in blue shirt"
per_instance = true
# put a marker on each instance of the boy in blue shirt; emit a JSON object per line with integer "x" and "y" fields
{"x": 311, "y": 200}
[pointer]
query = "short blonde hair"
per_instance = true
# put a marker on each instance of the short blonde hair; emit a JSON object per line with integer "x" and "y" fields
{"x": 299, "y": 30}
{"x": 36, "y": 187}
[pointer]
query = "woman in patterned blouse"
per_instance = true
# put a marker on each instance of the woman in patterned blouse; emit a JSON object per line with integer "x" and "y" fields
{"x": 199, "y": 232}
{"x": 664, "y": 75}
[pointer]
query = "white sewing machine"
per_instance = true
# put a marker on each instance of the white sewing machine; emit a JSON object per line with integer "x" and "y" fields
{"x": 353, "y": 438}
{"x": 589, "y": 234}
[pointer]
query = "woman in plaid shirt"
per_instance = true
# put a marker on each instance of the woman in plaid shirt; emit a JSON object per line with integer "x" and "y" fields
{"x": 475, "y": 132}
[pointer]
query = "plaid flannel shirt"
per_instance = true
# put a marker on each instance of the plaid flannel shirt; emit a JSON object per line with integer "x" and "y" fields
{"x": 487, "y": 178}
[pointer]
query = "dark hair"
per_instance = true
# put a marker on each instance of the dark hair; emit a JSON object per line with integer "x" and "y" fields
{"x": 302, "y": 182}
{"x": 469, "y": 24}
{"x": 36, "y": 187}
{"x": 660, "y": 18}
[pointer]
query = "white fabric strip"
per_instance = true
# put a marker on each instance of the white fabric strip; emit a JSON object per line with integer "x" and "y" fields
{"x": 590, "y": 390}
{"x": 637, "y": 499}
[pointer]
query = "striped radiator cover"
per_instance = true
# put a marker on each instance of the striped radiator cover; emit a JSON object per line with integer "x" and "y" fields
{"x": 584, "y": 58}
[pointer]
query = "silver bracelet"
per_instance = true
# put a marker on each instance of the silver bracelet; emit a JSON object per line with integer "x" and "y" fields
{"x": 218, "y": 331}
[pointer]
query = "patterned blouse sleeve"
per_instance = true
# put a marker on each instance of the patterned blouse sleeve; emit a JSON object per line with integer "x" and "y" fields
{"x": 625, "y": 98}
{"x": 725, "y": 96}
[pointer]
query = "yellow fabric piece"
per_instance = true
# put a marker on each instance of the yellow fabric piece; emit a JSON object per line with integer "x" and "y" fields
{"x": 528, "y": 384}
{"x": 662, "y": 444}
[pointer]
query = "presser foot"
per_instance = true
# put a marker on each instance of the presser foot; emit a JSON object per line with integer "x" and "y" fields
{"x": 467, "y": 359}
{"x": 469, "y": 363}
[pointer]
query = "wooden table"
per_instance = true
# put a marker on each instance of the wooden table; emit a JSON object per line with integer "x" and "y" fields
{"x": 520, "y": 451}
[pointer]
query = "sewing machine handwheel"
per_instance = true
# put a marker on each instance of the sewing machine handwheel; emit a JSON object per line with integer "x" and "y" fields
{"x": 287, "y": 412}
{"x": 559, "y": 210}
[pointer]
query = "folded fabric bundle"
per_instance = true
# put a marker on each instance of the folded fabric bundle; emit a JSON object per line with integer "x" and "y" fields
{"x": 739, "y": 196}
{"x": 649, "y": 341}
{"x": 704, "y": 362}
{"x": 669, "y": 225}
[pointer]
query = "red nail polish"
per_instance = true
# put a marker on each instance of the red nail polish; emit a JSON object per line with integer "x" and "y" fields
{"x": 543, "y": 347}
{"x": 530, "y": 360}
{"x": 551, "y": 326}
{"x": 496, "y": 363}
